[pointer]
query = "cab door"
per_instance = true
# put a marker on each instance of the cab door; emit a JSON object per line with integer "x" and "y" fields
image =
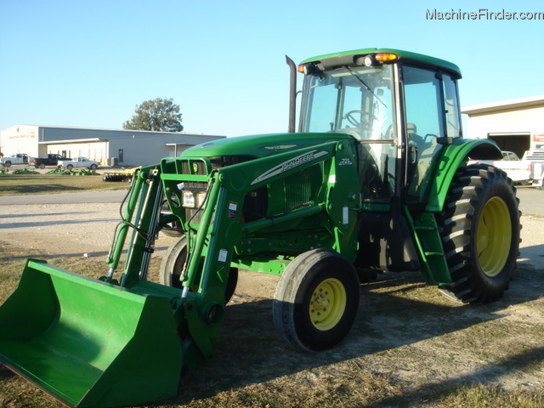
{"x": 431, "y": 120}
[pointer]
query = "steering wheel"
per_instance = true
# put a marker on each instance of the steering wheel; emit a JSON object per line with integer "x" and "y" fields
{"x": 367, "y": 117}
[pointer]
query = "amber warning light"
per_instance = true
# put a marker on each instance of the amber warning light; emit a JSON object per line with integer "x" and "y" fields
{"x": 386, "y": 57}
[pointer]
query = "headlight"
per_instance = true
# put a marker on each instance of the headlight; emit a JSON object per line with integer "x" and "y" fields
{"x": 188, "y": 199}
{"x": 200, "y": 198}
{"x": 193, "y": 199}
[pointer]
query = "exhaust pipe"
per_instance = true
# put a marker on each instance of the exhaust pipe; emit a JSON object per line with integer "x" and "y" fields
{"x": 292, "y": 94}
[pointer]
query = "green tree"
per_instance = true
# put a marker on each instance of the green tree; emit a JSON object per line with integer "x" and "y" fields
{"x": 157, "y": 115}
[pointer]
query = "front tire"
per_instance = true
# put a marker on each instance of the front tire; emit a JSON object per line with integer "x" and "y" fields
{"x": 174, "y": 261}
{"x": 480, "y": 230}
{"x": 316, "y": 300}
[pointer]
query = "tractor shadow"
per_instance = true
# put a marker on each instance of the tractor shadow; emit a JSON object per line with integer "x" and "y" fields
{"x": 395, "y": 311}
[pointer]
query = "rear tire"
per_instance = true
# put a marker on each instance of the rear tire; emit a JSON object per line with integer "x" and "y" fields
{"x": 480, "y": 231}
{"x": 316, "y": 300}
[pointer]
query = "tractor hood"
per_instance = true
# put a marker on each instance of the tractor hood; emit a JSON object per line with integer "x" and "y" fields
{"x": 256, "y": 146}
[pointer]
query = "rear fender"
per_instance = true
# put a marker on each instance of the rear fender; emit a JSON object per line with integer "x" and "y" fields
{"x": 453, "y": 157}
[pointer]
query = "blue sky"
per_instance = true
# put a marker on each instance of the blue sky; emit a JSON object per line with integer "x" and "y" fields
{"x": 89, "y": 63}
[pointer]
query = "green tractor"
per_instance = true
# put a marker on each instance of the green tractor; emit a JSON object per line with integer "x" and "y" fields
{"x": 376, "y": 179}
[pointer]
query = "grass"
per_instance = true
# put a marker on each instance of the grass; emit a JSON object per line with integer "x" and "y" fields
{"x": 13, "y": 184}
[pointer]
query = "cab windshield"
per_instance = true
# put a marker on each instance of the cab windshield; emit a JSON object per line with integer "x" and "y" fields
{"x": 357, "y": 101}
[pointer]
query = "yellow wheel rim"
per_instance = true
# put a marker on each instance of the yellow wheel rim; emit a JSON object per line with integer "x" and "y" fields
{"x": 494, "y": 236}
{"x": 327, "y": 304}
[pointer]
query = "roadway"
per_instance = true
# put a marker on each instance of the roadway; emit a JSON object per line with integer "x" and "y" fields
{"x": 530, "y": 199}
{"x": 105, "y": 196}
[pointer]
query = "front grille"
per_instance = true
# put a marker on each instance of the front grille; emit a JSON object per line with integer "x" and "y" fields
{"x": 193, "y": 167}
{"x": 199, "y": 167}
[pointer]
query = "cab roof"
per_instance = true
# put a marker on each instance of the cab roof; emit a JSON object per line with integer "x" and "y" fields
{"x": 351, "y": 58}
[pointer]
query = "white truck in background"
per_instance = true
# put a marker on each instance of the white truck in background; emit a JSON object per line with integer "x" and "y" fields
{"x": 17, "y": 158}
{"x": 520, "y": 171}
{"x": 78, "y": 162}
{"x": 536, "y": 160}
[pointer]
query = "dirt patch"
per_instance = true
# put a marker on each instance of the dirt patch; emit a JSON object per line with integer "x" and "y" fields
{"x": 405, "y": 330}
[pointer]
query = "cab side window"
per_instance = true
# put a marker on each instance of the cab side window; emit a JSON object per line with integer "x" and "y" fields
{"x": 424, "y": 121}
{"x": 422, "y": 102}
{"x": 453, "y": 117}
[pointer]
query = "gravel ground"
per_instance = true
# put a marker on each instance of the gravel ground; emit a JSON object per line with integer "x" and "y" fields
{"x": 60, "y": 229}
{"x": 87, "y": 228}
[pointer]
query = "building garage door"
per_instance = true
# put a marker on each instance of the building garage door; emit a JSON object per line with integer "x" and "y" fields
{"x": 514, "y": 142}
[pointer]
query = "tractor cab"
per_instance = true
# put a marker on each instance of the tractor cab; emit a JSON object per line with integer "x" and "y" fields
{"x": 401, "y": 107}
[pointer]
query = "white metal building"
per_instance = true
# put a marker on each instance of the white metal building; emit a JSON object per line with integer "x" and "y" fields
{"x": 109, "y": 147}
{"x": 516, "y": 125}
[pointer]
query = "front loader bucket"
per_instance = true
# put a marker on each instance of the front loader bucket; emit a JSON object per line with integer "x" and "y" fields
{"x": 89, "y": 343}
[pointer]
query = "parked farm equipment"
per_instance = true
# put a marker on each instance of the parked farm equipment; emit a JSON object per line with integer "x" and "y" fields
{"x": 120, "y": 175}
{"x": 25, "y": 170}
{"x": 375, "y": 180}
{"x": 71, "y": 172}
